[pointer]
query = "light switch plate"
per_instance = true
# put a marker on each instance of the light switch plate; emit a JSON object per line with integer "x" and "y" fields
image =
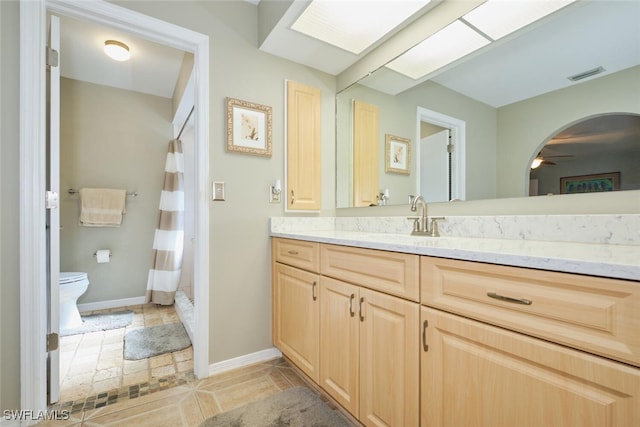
{"x": 218, "y": 191}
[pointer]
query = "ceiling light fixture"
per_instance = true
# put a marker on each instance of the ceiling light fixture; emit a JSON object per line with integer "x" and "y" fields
{"x": 354, "y": 25}
{"x": 116, "y": 50}
{"x": 536, "y": 162}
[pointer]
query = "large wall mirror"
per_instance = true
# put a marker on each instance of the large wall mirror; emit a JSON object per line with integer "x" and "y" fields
{"x": 511, "y": 99}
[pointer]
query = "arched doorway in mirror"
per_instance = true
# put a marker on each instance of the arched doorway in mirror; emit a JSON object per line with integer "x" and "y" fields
{"x": 594, "y": 154}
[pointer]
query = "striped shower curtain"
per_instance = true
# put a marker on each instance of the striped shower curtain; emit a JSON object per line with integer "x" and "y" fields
{"x": 164, "y": 276}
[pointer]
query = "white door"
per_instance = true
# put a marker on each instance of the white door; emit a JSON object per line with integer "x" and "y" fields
{"x": 434, "y": 167}
{"x": 53, "y": 210}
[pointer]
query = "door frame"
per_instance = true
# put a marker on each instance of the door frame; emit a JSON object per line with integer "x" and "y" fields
{"x": 33, "y": 282}
{"x": 458, "y": 139}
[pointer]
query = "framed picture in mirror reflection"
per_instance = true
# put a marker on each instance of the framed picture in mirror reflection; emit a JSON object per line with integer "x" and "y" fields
{"x": 397, "y": 154}
{"x": 590, "y": 183}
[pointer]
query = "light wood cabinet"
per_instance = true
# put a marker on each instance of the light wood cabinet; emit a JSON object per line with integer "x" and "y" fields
{"x": 390, "y": 272}
{"x": 304, "y": 154}
{"x": 340, "y": 342}
{"x": 369, "y": 356}
{"x": 478, "y": 375}
{"x": 594, "y": 314}
{"x": 366, "y": 143}
{"x": 295, "y": 305}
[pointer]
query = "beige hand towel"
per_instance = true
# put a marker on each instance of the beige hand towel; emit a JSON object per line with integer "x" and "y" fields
{"x": 102, "y": 207}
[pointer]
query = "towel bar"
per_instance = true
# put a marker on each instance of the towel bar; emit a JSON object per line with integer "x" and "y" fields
{"x": 73, "y": 191}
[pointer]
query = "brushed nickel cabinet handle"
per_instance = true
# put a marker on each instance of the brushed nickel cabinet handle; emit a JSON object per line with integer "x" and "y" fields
{"x": 293, "y": 197}
{"x": 425, "y": 347}
{"x": 313, "y": 291}
{"x": 522, "y": 301}
{"x": 361, "y": 309}
{"x": 292, "y": 252}
{"x": 351, "y": 298}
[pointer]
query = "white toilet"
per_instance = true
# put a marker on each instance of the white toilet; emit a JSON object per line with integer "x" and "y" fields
{"x": 72, "y": 285}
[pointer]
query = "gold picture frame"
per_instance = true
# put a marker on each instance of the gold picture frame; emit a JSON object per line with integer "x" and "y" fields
{"x": 397, "y": 154}
{"x": 248, "y": 127}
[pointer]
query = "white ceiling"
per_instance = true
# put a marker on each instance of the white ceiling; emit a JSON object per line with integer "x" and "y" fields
{"x": 153, "y": 69}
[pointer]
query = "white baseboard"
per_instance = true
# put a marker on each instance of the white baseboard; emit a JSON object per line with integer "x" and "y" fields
{"x": 115, "y": 303}
{"x": 247, "y": 359}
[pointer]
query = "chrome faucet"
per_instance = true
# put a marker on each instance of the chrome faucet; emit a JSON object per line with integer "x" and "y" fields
{"x": 421, "y": 223}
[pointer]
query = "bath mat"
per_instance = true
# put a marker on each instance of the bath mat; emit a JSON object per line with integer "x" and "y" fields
{"x": 155, "y": 340}
{"x": 294, "y": 407}
{"x": 101, "y": 322}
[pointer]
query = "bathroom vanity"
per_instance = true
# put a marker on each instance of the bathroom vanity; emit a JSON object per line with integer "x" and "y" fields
{"x": 408, "y": 331}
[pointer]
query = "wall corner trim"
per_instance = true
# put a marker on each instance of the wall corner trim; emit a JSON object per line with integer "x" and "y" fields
{"x": 247, "y": 359}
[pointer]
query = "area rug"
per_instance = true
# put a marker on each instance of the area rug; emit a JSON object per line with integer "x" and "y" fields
{"x": 155, "y": 340}
{"x": 101, "y": 322}
{"x": 294, "y": 407}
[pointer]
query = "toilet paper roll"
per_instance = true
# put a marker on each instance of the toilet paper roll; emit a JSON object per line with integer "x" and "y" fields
{"x": 103, "y": 255}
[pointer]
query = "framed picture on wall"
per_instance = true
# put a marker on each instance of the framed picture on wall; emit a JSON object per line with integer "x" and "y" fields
{"x": 590, "y": 183}
{"x": 397, "y": 154}
{"x": 248, "y": 127}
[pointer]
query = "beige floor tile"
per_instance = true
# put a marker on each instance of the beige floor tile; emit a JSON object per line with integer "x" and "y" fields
{"x": 105, "y": 374}
{"x": 165, "y": 414}
{"x": 163, "y": 371}
{"x": 161, "y": 360}
{"x": 106, "y": 384}
{"x": 131, "y": 366}
{"x": 182, "y": 355}
{"x": 185, "y": 366}
{"x": 163, "y": 396}
{"x": 135, "y": 378}
{"x": 236, "y": 395}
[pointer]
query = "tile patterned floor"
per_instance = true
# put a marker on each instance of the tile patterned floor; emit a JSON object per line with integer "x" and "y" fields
{"x": 192, "y": 402}
{"x": 93, "y": 368}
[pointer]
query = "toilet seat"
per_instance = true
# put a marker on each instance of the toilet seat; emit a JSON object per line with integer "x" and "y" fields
{"x": 72, "y": 277}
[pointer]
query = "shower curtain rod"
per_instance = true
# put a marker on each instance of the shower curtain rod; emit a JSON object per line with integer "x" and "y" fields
{"x": 186, "y": 121}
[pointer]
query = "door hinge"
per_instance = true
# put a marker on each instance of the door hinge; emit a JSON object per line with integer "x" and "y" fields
{"x": 449, "y": 148}
{"x": 52, "y": 341}
{"x": 52, "y": 57}
{"x": 51, "y": 200}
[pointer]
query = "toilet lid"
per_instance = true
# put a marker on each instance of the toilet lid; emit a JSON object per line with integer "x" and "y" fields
{"x": 71, "y": 277}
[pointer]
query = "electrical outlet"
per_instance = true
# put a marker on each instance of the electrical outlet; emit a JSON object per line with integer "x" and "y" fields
{"x": 218, "y": 191}
{"x": 274, "y": 194}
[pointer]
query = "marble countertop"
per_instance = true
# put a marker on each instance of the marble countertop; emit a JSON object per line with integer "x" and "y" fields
{"x": 606, "y": 260}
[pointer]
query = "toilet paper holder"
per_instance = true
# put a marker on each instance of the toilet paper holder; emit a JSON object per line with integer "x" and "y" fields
{"x": 95, "y": 254}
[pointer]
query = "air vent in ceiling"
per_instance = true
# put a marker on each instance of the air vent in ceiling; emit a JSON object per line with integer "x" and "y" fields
{"x": 586, "y": 74}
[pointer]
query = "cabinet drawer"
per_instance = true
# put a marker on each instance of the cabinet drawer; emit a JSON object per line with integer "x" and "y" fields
{"x": 297, "y": 253}
{"x": 594, "y": 314}
{"x": 390, "y": 272}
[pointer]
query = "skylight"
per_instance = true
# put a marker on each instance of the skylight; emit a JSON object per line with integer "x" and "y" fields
{"x": 354, "y": 25}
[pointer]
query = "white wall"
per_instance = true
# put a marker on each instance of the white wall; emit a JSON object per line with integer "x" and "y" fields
{"x": 523, "y": 127}
{"x": 111, "y": 138}
{"x": 240, "y": 288}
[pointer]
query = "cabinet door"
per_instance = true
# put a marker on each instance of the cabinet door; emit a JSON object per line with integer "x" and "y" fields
{"x": 304, "y": 154}
{"x": 295, "y": 323}
{"x": 389, "y": 360}
{"x": 339, "y": 332}
{"x": 366, "y": 136}
{"x": 478, "y": 375}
